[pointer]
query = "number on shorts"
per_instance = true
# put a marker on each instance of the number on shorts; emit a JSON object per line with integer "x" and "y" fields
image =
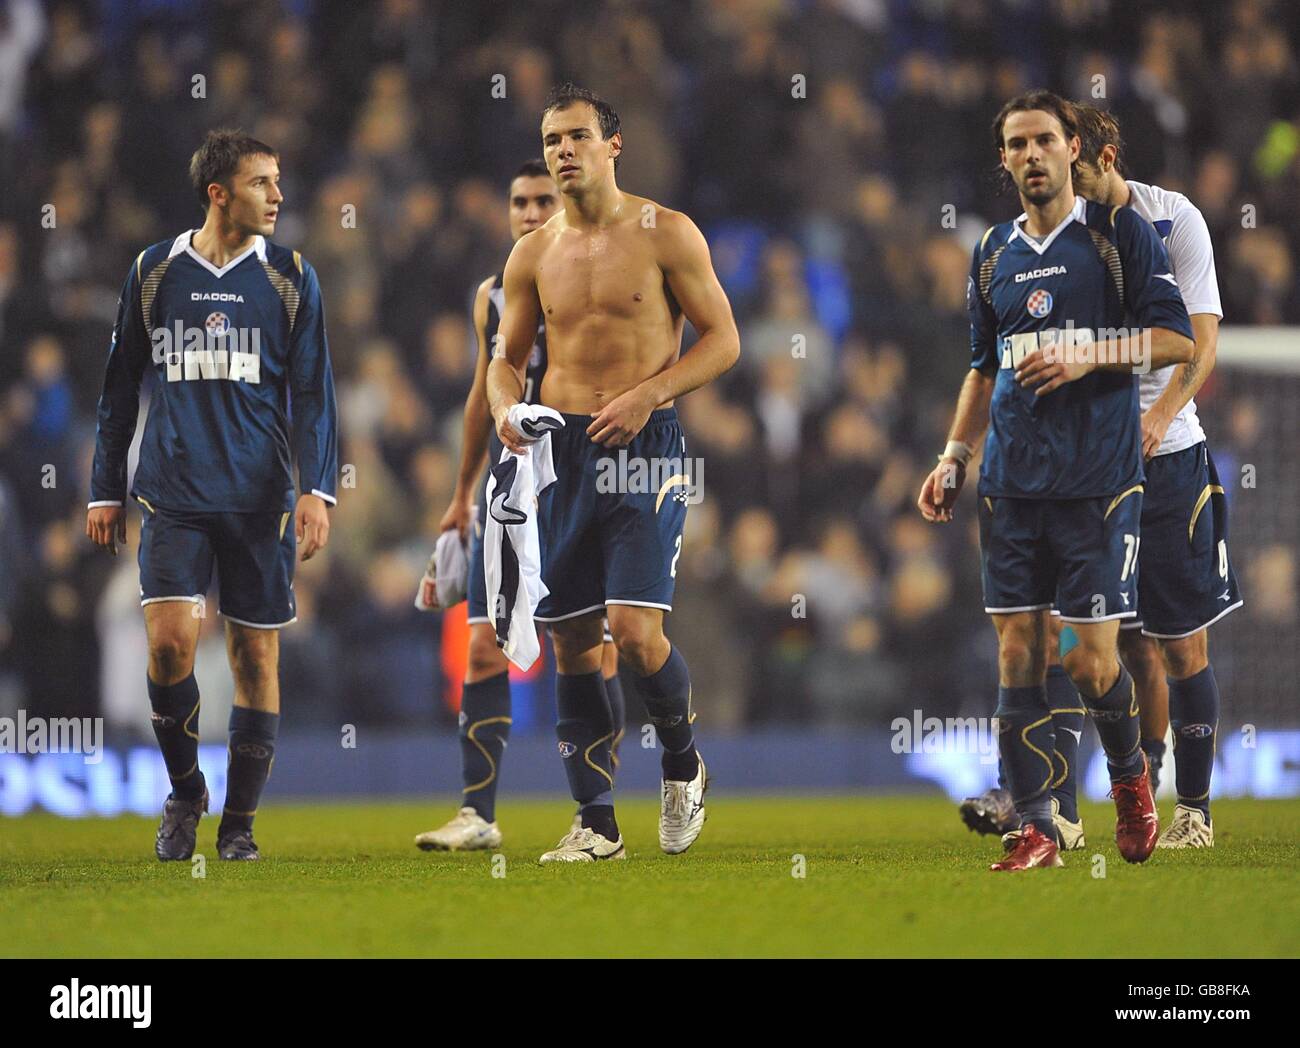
{"x": 673, "y": 570}
{"x": 528, "y": 390}
{"x": 1131, "y": 544}
{"x": 1223, "y": 559}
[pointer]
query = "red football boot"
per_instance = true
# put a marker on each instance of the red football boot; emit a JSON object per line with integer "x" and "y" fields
{"x": 1032, "y": 848}
{"x": 1137, "y": 824}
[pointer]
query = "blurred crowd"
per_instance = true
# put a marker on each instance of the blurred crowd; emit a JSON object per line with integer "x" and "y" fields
{"x": 838, "y": 156}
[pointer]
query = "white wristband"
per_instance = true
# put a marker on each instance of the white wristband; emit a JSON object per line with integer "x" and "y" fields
{"x": 959, "y": 450}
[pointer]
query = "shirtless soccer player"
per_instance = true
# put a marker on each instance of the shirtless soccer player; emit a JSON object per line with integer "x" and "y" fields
{"x": 613, "y": 276}
{"x": 485, "y": 700}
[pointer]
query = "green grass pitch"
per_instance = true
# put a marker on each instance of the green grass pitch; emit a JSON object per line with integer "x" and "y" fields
{"x": 882, "y": 877}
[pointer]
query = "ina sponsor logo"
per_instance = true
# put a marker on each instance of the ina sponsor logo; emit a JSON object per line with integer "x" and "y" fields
{"x": 218, "y": 350}
{"x": 1196, "y": 731}
{"x": 75, "y": 1001}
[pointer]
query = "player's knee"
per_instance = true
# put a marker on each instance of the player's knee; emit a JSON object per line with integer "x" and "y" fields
{"x": 577, "y": 646}
{"x": 1186, "y": 656}
{"x": 171, "y": 658}
{"x": 642, "y": 644}
{"x": 1139, "y": 654}
{"x": 1091, "y": 669}
{"x": 1020, "y": 660}
{"x": 485, "y": 658}
{"x": 254, "y": 659}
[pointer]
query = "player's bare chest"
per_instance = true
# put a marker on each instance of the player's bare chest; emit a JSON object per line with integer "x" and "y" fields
{"x": 612, "y": 274}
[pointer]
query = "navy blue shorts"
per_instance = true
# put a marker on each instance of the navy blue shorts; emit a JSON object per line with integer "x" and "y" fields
{"x": 1187, "y": 578}
{"x": 1081, "y": 554}
{"x": 611, "y": 524}
{"x": 253, "y": 553}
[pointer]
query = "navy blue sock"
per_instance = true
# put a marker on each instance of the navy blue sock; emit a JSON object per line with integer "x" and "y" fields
{"x": 667, "y": 694}
{"x": 1025, "y": 744}
{"x": 251, "y": 754}
{"x": 585, "y": 730}
{"x": 618, "y": 711}
{"x": 1194, "y": 716}
{"x": 176, "y": 727}
{"x": 484, "y": 732}
{"x": 1115, "y": 715}
{"x": 1067, "y": 729}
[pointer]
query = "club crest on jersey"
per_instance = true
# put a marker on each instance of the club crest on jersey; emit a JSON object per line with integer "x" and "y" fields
{"x": 1040, "y": 303}
{"x": 217, "y": 324}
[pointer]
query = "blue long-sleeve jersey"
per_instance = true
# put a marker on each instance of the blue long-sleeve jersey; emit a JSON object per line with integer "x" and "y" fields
{"x": 1101, "y": 272}
{"x": 243, "y": 383}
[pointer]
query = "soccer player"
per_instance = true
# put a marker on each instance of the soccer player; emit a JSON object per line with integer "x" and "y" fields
{"x": 1184, "y": 571}
{"x": 232, "y": 329}
{"x": 485, "y": 700}
{"x": 1186, "y": 581}
{"x": 614, "y": 276}
{"x": 1052, "y": 377}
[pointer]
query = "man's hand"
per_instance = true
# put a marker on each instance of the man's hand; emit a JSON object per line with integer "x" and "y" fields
{"x": 311, "y": 524}
{"x": 106, "y": 527}
{"x": 458, "y": 515}
{"x": 506, "y": 433}
{"x": 1155, "y": 423}
{"x": 1048, "y": 374}
{"x": 940, "y": 490}
{"x": 621, "y": 419}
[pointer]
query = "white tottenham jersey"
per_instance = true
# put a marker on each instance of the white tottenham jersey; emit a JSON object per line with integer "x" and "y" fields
{"x": 1191, "y": 256}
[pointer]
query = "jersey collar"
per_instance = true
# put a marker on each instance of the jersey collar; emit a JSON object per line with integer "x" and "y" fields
{"x": 1077, "y": 214}
{"x": 181, "y": 245}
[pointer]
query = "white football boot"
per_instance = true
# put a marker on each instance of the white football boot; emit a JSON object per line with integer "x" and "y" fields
{"x": 681, "y": 812}
{"x": 585, "y": 845}
{"x": 468, "y": 831}
{"x": 1188, "y": 830}
{"x": 1069, "y": 834}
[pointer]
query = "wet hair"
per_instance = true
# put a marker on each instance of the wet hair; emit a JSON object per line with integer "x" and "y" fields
{"x": 218, "y": 158}
{"x": 569, "y": 93}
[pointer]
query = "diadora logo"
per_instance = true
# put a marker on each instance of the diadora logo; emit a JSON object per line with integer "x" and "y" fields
{"x": 1047, "y": 271}
{"x": 1196, "y": 731}
{"x": 214, "y": 296}
{"x": 218, "y": 350}
{"x": 567, "y": 749}
{"x": 1039, "y": 304}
